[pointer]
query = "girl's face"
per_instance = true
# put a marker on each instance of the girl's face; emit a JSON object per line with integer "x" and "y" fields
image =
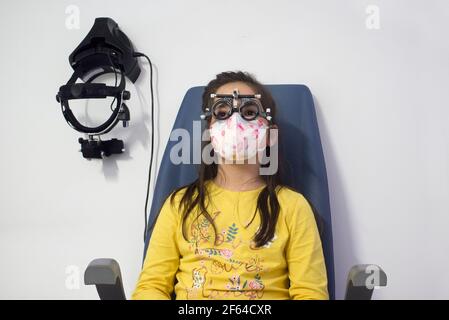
{"x": 236, "y": 147}
{"x": 228, "y": 89}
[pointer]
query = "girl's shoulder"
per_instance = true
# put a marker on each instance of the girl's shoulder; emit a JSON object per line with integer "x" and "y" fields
{"x": 173, "y": 199}
{"x": 289, "y": 197}
{"x": 295, "y": 208}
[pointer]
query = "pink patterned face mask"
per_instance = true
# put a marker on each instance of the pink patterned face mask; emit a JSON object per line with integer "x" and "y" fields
{"x": 236, "y": 138}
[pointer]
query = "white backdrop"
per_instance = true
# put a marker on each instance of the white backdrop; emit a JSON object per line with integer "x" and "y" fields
{"x": 380, "y": 89}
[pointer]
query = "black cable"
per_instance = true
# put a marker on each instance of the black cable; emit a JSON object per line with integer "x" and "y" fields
{"x": 139, "y": 54}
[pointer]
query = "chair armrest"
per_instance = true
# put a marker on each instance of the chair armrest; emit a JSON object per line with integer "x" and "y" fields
{"x": 106, "y": 276}
{"x": 362, "y": 279}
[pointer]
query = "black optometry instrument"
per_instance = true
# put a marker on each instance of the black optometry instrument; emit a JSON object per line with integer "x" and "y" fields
{"x": 105, "y": 49}
{"x": 249, "y": 107}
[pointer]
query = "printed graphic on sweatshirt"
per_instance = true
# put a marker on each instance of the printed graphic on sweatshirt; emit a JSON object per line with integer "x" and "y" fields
{"x": 220, "y": 259}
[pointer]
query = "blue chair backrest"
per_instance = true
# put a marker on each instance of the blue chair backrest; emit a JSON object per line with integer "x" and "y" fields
{"x": 300, "y": 144}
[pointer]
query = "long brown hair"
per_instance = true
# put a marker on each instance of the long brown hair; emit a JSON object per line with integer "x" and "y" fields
{"x": 196, "y": 193}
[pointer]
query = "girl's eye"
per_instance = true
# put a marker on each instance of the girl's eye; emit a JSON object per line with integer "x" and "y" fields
{"x": 221, "y": 111}
{"x": 249, "y": 114}
{"x": 221, "y": 114}
{"x": 249, "y": 111}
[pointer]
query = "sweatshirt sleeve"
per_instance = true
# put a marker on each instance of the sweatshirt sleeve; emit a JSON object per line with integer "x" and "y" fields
{"x": 161, "y": 263}
{"x": 304, "y": 253}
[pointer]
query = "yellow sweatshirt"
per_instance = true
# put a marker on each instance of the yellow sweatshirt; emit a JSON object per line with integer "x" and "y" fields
{"x": 290, "y": 266}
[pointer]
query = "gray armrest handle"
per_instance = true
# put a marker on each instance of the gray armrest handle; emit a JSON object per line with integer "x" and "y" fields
{"x": 362, "y": 279}
{"x": 106, "y": 276}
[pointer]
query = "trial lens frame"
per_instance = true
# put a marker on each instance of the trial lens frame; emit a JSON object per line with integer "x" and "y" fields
{"x": 235, "y": 96}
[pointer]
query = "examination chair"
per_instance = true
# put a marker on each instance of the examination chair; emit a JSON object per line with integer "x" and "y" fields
{"x": 304, "y": 169}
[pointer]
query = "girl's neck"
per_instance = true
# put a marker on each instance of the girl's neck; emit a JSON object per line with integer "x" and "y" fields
{"x": 239, "y": 177}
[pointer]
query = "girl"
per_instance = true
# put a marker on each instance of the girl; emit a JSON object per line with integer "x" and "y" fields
{"x": 234, "y": 233}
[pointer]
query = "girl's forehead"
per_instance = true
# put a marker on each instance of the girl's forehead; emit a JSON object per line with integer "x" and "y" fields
{"x": 228, "y": 88}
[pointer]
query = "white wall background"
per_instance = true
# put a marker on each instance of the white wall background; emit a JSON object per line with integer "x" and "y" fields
{"x": 382, "y": 103}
